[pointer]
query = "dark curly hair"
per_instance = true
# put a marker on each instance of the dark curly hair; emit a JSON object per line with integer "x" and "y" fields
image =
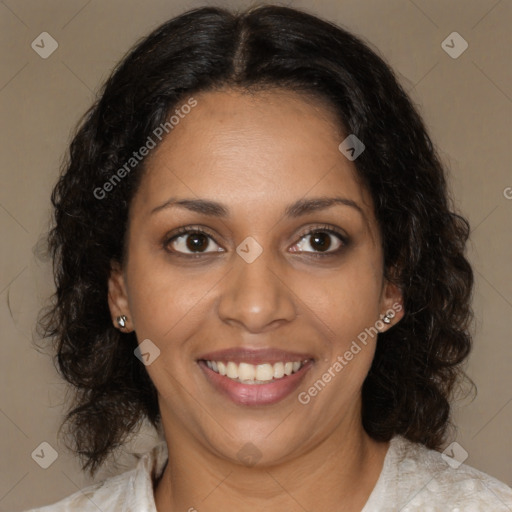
{"x": 417, "y": 363}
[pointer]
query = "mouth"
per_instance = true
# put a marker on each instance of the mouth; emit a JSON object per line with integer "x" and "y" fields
{"x": 247, "y": 373}
{"x": 250, "y": 377}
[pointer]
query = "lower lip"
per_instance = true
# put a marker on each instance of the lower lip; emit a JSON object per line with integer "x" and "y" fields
{"x": 255, "y": 394}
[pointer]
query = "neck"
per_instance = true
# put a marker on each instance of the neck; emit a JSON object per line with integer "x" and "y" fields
{"x": 339, "y": 473}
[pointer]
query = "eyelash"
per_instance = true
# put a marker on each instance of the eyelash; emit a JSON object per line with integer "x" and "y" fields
{"x": 198, "y": 230}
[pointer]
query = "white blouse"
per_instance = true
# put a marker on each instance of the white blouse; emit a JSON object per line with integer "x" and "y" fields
{"x": 413, "y": 478}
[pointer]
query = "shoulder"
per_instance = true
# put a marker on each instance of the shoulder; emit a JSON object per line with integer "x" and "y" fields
{"x": 106, "y": 495}
{"x": 126, "y": 492}
{"x": 416, "y": 478}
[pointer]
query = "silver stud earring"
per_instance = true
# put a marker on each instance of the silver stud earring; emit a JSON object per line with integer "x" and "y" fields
{"x": 386, "y": 319}
{"x": 121, "y": 321}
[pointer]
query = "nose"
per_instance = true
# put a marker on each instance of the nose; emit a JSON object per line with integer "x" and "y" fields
{"x": 256, "y": 296}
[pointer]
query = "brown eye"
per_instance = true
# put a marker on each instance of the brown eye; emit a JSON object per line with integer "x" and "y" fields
{"x": 191, "y": 241}
{"x": 321, "y": 241}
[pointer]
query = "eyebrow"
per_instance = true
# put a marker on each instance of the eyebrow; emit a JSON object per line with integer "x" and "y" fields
{"x": 294, "y": 210}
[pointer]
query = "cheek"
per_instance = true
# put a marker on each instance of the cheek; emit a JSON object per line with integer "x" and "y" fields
{"x": 345, "y": 301}
{"x": 166, "y": 303}
{"x": 345, "y": 308}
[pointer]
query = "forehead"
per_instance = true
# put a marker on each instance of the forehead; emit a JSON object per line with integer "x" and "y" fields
{"x": 252, "y": 151}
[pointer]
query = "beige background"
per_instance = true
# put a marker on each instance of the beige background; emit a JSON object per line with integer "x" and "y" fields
{"x": 466, "y": 102}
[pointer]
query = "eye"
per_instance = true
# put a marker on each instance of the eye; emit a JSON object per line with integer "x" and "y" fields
{"x": 191, "y": 240}
{"x": 321, "y": 241}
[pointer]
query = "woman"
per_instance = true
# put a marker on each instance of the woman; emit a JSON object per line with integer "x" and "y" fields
{"x": 255, "y": 250}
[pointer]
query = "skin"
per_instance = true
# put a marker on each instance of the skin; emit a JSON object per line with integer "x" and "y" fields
{"x": 256, "y": 154}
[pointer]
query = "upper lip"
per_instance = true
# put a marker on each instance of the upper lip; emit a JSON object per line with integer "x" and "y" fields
{"x": 255, "y": 356}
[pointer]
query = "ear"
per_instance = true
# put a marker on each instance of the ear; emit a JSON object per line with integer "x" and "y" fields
{"x": 391, "y": 304}
{"x": 118, "y": 297}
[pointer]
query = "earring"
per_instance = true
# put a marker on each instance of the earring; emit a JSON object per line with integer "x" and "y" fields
{"x": 386, "y": 319}
{"x": 121, "y": 321}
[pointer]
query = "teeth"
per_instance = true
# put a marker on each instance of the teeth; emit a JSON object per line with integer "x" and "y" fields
{"x": 255, "y": 374}
{"x": 278, "y": 370}
{"x": 246, "y": 371}
{"x": 264, "y": 372}
{"x": 222, "y": 368}
{"x": 232, "y": 370}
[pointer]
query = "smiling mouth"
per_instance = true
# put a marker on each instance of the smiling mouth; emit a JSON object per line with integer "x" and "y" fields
{"x": 255, "y": 377}
{"x": 246, "y": 373}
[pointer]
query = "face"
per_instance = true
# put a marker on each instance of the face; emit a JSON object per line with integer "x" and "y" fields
{"x": 275, "y": 283}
